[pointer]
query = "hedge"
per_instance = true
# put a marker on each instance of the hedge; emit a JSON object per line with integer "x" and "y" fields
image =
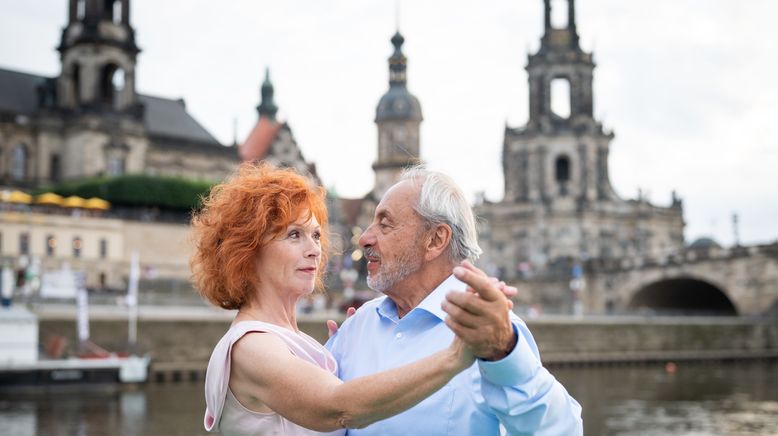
{"x": 137, "y": 190}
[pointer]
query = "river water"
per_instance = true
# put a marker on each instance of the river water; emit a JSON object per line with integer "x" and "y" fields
{"x": 696, "y": 399}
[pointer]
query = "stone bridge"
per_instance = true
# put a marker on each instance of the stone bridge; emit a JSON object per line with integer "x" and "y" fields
{"x": 734, "y": 281}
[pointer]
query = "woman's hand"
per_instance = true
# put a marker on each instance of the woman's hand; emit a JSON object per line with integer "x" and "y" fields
{"x": 461, "y": 354}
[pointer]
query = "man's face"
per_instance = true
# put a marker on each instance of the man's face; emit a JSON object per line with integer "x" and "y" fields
{"x": 393, "y": 243}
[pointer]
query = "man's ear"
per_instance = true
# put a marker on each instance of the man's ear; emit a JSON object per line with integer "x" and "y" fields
{"x": 438, "y": 240}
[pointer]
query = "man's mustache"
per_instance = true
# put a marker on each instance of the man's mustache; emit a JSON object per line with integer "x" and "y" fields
{"x": 372, "y": 254}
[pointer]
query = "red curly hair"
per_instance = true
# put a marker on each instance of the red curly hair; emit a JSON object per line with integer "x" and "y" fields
{"x": 242, "y": 215}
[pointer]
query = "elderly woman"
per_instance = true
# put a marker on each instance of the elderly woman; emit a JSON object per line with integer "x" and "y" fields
{"x": 261, "y": 246}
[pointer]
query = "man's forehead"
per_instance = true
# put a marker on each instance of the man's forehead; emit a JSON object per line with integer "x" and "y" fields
{"x": 401, "y": 196}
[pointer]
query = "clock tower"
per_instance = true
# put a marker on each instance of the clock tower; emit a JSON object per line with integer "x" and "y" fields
{"x": 398, "y": 117}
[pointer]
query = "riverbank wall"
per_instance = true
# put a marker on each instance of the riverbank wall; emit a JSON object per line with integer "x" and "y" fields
{"x": 179, "y": 340}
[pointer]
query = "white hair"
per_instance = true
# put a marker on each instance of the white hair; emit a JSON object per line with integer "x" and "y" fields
{"x": 442, "y": 202}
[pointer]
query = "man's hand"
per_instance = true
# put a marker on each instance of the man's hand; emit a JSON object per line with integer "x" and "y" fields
{"x": 509, "y": 291}
{"x": 480, "y": 316}
{"x": 332, "y": 326}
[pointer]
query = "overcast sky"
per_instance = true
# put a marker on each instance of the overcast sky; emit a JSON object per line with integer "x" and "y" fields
{"x": 687, "y": 86}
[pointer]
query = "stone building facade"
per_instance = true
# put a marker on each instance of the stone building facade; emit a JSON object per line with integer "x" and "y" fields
{"x": 90, "y": 120}
{"x": 559, "y": 206}
{"x": 99, "y": 246}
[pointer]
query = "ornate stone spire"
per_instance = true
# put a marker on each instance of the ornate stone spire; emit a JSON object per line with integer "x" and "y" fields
{"x": 267, "y": 107}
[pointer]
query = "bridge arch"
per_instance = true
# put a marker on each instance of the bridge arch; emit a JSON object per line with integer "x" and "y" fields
{"x": 682, "y": 296}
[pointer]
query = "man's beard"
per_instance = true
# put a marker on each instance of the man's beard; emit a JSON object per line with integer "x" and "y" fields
{"x": 389, "y": 274}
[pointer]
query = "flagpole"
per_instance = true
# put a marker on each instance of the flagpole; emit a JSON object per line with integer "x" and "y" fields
{"x": 132, "y": 302}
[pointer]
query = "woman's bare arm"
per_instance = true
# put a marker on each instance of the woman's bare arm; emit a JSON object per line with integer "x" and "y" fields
{"x": 264, "y": 369}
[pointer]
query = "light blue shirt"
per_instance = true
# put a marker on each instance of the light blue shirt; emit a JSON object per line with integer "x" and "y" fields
{"x": 515, "y": 391}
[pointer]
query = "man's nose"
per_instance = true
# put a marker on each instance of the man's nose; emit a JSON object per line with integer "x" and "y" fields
{"x": 367, "y": 239}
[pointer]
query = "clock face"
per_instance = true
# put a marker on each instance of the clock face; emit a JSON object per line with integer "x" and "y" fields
{"x": 399, "y": 135}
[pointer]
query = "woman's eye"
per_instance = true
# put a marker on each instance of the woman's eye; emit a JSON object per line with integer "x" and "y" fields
{"x": 294, "y": 234}
{"x": 317, "y": 235}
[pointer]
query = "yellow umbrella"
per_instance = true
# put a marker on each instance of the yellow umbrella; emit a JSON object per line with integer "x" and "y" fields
{"x": 74, "y": 201}
{"x": 19, "y": 197}
{"x": 49, "y": 198}
{"x": 97, "y": 203}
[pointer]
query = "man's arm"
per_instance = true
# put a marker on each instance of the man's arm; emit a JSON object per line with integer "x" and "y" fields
{"x": 520, "y": 392}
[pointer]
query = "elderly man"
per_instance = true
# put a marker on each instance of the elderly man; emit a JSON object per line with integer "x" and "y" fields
{"x": 422, "y": 230}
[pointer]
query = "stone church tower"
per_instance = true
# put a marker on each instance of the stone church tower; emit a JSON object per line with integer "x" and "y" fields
{"x": 398, "y": 117}
{"x": 96, "y": 90}
{"x": 559, "y": 206}
{"x": 91, "y": 121}
{"x": 98, "y": 54}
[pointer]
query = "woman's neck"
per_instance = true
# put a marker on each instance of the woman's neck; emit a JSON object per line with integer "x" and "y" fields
{"x": 271, "y": 308}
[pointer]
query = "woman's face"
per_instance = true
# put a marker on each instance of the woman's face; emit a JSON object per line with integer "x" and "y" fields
{"x": 290, "y": 262}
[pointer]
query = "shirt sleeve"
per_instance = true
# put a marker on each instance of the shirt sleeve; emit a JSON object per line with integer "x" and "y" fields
{"x": 334, "y": 345}
{"x": 524, "y": 396}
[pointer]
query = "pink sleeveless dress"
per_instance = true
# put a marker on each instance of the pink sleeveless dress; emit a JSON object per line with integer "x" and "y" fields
{"x": 223, "y": 411}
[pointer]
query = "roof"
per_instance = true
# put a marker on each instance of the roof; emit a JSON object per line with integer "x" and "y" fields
{"x": 398, "y": 104}
{"x": 704, "y": 242}
{"x": 168, "y": 117}
{"x": 162, "y": 116}
{"x": 257, "y": 144}
{"x": 19, "y": 92}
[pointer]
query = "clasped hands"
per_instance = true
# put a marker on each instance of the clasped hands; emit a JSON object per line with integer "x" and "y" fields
{"x": 480, "y": 316}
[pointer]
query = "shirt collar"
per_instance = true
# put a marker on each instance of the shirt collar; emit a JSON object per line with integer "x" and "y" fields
{"x": 431, "y": 303}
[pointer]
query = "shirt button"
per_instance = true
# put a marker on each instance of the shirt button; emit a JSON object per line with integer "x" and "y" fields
{"x": 398, "y": 335}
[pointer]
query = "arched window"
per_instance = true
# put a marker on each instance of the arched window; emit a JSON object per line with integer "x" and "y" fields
{"x": 76, "y": 73}
{"x": 111, "y": 84}
{"x": 80, "y": 9}
{"x": 560, "y": 97}
{"x": 562, "y": 169}
{"x": 51, "y": 245}
{"x": 55, "y": 168}
{"x": 116, "y": 165}
{"x": 562, "y": 173}
{"x": 559, "y": 16}
{"x": 19, "y": 159}
{"x": 77, "y": 245}
{"x": 117, "y": 11}
{"x": 112, "y": 10}
{"x": 24, "y": 244}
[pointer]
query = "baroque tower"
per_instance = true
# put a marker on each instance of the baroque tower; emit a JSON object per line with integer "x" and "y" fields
{"x": 560, "y": 156}
{"x": 559, "y": 206}
{"x": 398, "y": 117}
{"x": 98, "y": 54}
{"x": 96, "y": 92}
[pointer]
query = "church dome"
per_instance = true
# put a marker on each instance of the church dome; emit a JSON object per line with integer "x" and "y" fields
{"x": 398, "y": 104}
{"x": 704, "y": 243}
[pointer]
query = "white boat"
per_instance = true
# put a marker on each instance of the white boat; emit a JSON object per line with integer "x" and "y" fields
{"x": 22, "y": 366}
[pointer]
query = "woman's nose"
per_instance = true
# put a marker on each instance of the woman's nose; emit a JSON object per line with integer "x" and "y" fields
{"x": 313, "y": 249}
